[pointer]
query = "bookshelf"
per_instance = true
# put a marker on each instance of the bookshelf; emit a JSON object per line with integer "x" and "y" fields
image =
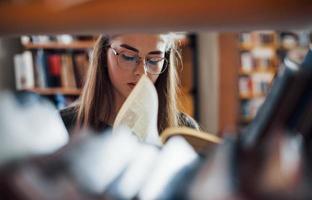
{"x": 57, "y": 45}
{"x": 261, "y": 54}
{"x": 53, "y": 66}
{"x": 258, "y": 65}
{"x": 270, "y": 70}
{"x": 251, "y": 96}
{"x": 43, "y": 53}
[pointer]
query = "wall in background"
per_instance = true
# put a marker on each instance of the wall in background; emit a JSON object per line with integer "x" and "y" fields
{"x": 8, "y": 48}
{"x": 208, "y": 77}
{"x": 228, "y": 77}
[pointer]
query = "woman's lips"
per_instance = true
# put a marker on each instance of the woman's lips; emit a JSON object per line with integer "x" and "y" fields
{"x": 131, "y": 85}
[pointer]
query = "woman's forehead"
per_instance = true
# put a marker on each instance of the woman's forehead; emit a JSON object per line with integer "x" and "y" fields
{"x": 142, "y": 42}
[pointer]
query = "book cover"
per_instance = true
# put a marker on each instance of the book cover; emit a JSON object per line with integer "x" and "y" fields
{"x": 41, "y": 69}
{"x": 67, "y": 72}
{"x": 81, "y": 65}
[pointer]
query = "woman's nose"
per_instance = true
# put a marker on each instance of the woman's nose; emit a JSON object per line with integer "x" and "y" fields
{"x": 140, "y": 68}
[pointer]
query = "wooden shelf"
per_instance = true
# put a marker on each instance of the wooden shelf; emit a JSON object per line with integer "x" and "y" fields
{"x": 58, "y": 45}
{"x": 249, "y": 47}
{"x": 53, "y": 91}
{"x": 251, "y": 96}
{"x": 259, "y": 70}
{"x": 100, "y": 16}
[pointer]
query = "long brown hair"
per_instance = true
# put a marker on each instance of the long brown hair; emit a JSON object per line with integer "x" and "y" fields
{"x": 96, "y": 103}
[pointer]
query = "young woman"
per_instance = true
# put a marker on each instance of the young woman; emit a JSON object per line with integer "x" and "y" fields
{"x": 117, "y": 64}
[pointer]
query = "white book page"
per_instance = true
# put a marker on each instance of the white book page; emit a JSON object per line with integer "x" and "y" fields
{"x": 139, "y": 112}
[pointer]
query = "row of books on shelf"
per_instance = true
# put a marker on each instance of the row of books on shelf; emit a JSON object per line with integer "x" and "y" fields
{"x": 255, "y": 85}
{"x": 286, "y": 40}
{"x": 258, "y": 58}
{"x": 261, "y": 53}
{"x": 63, "y": 38}
{"x": 258, "y": 38}
{"x": 43, "y": 69}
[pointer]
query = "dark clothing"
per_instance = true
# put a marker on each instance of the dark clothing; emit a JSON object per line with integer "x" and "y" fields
{"x": 69, "y": 117}
{"x": 188, "y": 121}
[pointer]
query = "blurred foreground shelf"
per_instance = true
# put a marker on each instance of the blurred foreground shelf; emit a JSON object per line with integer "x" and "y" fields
{"x": 97, "y": 16}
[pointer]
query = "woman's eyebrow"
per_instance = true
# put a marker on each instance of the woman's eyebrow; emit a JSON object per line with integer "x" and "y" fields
{"x": 155, "y": 52}
{"x": 129, "y": 47}
{"x": 126, "y": 46}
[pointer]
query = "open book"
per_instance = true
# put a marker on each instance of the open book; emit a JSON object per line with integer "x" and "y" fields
{"x": 140, "y": 111}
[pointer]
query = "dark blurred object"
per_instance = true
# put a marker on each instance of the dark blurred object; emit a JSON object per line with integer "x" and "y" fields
{"x": 86, "y": 37}
{"x": 290, "y": 89}
{"x": 217, "y": 178}
{"x": 289, "y": 40}
{"x": 272, "y": 159}
{"x": 40, "y": 178}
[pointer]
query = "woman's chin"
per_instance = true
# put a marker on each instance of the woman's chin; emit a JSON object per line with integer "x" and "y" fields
{"x": 127, "y": 92}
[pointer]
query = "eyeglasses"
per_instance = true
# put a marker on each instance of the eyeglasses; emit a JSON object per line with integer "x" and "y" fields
{"x": 128, "y": 60}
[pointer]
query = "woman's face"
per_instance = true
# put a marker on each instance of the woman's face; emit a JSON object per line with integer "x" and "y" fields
{"x": 130, "y": 47}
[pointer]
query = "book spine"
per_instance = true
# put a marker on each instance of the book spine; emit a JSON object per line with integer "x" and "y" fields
{"x": 81, "y": 65}
{"x": 67, "y": 72}
{"x": 19, "y": 72}
{"x": 54, "y": 69}
{"x": 24, "y": 71}
{"x": 41, "y": 69}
